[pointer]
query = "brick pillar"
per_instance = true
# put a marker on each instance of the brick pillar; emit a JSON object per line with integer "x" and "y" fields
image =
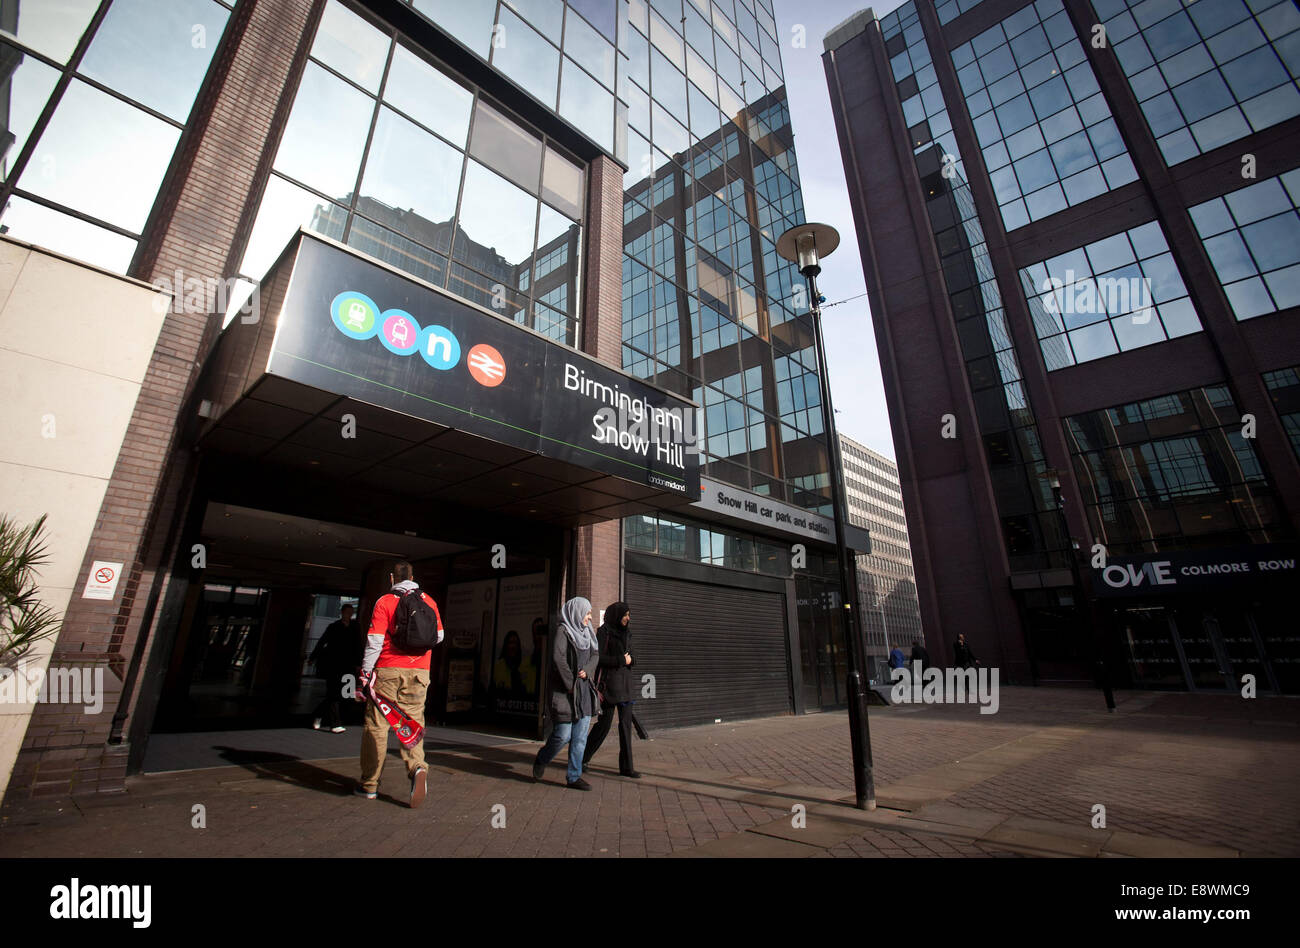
{"x": 194, "y": 229}
{"x": 598, "y": 569}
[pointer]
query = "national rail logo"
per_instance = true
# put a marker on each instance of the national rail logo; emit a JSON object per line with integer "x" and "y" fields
{"x": 358, "y": 317}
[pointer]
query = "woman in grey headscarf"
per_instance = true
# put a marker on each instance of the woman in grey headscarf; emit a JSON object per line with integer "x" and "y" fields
{"x": 574, "y": 657}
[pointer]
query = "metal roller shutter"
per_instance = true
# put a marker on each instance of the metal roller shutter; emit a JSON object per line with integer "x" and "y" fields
{"x": 715, "y": 651}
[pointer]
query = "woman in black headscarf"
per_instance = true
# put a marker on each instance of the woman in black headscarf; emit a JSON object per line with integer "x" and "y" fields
{"x": 615, "y": 680}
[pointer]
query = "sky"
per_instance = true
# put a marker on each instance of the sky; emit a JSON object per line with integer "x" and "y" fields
{"x": 851, "y": 356}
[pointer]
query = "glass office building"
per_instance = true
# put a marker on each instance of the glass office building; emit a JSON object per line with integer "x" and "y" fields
{"x": 1100, "y": 462}
{"x": 596, "y": 185}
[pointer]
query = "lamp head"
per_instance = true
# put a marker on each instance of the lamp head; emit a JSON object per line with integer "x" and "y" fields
{"x": 806, "y": 244}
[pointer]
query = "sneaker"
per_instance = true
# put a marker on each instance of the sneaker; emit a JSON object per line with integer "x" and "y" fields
{"x": 634, "y": 774}
{"x": 315, "y": 725}
{"x": 579, "y": 784}
{"x": 539, "y": 768}
{"x": 368, "y": 794}
{"x": 338, "y": 730}
{"x": 419, "y": 787}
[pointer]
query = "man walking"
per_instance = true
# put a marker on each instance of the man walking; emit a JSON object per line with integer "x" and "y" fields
{"x": 334, "y": 656}
{"x": 962, "y": 654}
{"x": 919, "y": 654}
{"x": 400, "y": 674}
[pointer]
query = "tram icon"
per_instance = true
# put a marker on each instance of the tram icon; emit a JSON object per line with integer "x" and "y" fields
{"x": 400, "y": 334}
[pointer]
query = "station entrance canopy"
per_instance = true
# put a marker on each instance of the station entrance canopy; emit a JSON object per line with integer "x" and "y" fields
{"x": 446, "y": 400}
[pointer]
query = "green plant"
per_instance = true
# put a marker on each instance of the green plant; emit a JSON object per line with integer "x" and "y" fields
{"x": 24, "y": 620}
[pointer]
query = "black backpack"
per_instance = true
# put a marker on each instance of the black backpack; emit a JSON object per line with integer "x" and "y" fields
{"x": 415, "y": 624}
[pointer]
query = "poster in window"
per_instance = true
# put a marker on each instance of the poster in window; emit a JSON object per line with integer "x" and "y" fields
{"x": 522, "y": 652}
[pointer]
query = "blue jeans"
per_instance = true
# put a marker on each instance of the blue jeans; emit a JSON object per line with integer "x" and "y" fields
{"x": 575, "y": 735}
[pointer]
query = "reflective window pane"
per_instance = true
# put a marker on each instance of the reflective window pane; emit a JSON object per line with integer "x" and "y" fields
{"x": 285, "y": 208}
{"x": 325, "y": 134}
{"x": 26, "y": 88}
{"x": 1093, "y": 342}
{"x": 506, "y": 147}
{"x": 37, "y": 224}
{"x": 497, "y": 222}
{"x": 564, "y": 184}
{"x": 471, "y": 23}
{"x": 411, "y": 170}
{"x": 1178, "y": 48}
{"x": 53, "y": 27}
{"x": 1127, "y": 284}
{"x": 429, "y": 96}
{"x": 600, "y": 13}
{"x": 150, "y": 52}
{"x": 589, "y": 49}
{"x": 351, "y": 46}
{"x": 525, "y": 56}
{"x": 588, "y": 106}
{"x": 398, "y": 250}
{"x": 547, "y": 16}
{"x": 94, "y": 138}
{"x": 557, "y": 261}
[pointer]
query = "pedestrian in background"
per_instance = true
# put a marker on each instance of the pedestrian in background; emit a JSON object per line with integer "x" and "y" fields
{"x": 574, "y": 658}
{"x": 334, "y": 656}
{"x": 919, "y": 654}
{"x": 962, "y": 654}
{"x": 615, "y": 683}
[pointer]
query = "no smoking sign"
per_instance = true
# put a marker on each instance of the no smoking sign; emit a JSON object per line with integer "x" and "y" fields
{"x": 102, "y": 581}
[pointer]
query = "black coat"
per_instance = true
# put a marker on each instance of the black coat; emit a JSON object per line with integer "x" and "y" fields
{"x": 919, "y": 654}
{"x": 615, "y": 673}
{"x": 339, "y": 650}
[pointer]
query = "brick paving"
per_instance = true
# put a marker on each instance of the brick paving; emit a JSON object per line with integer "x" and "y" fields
{"x": 1207, "y": 770}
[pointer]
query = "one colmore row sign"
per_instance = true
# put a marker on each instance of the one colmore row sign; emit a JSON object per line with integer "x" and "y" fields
{"x": 1163, "y": 574}
{"x": 353, "y": 327}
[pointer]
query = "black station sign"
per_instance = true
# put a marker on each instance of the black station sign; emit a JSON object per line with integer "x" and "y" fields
{"x": 358, "y": 329}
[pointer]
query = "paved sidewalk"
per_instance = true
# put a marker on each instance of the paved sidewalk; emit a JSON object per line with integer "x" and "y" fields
{"x": 1178, "y": 774}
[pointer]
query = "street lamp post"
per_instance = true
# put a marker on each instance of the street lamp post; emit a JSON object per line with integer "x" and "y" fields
{"x": 1100, "y": 668}
{"x": 805, "y": 245}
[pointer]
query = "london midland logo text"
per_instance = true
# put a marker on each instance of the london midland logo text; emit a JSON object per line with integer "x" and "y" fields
{"x": 357, "y": 317}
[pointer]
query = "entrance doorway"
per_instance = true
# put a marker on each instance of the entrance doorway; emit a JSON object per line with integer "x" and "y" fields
{"x": 1207, "y": 645}
{"x": 273, "y": 582}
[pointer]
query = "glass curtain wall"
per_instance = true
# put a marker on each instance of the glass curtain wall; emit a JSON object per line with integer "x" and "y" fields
{"x": 92, "y": 92}
{"x": 392, "y": 153}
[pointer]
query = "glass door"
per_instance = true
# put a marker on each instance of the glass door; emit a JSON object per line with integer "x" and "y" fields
{"x": 1149, "y": 645}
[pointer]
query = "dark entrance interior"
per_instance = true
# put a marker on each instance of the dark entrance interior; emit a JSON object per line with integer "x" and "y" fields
{"x": 271, "y": 555}
{"x": 1208, "y": 644}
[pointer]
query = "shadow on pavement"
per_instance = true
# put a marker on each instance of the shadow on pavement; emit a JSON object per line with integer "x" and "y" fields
{"x": 270, "y": 765}
{"x": 487, "y": 762}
